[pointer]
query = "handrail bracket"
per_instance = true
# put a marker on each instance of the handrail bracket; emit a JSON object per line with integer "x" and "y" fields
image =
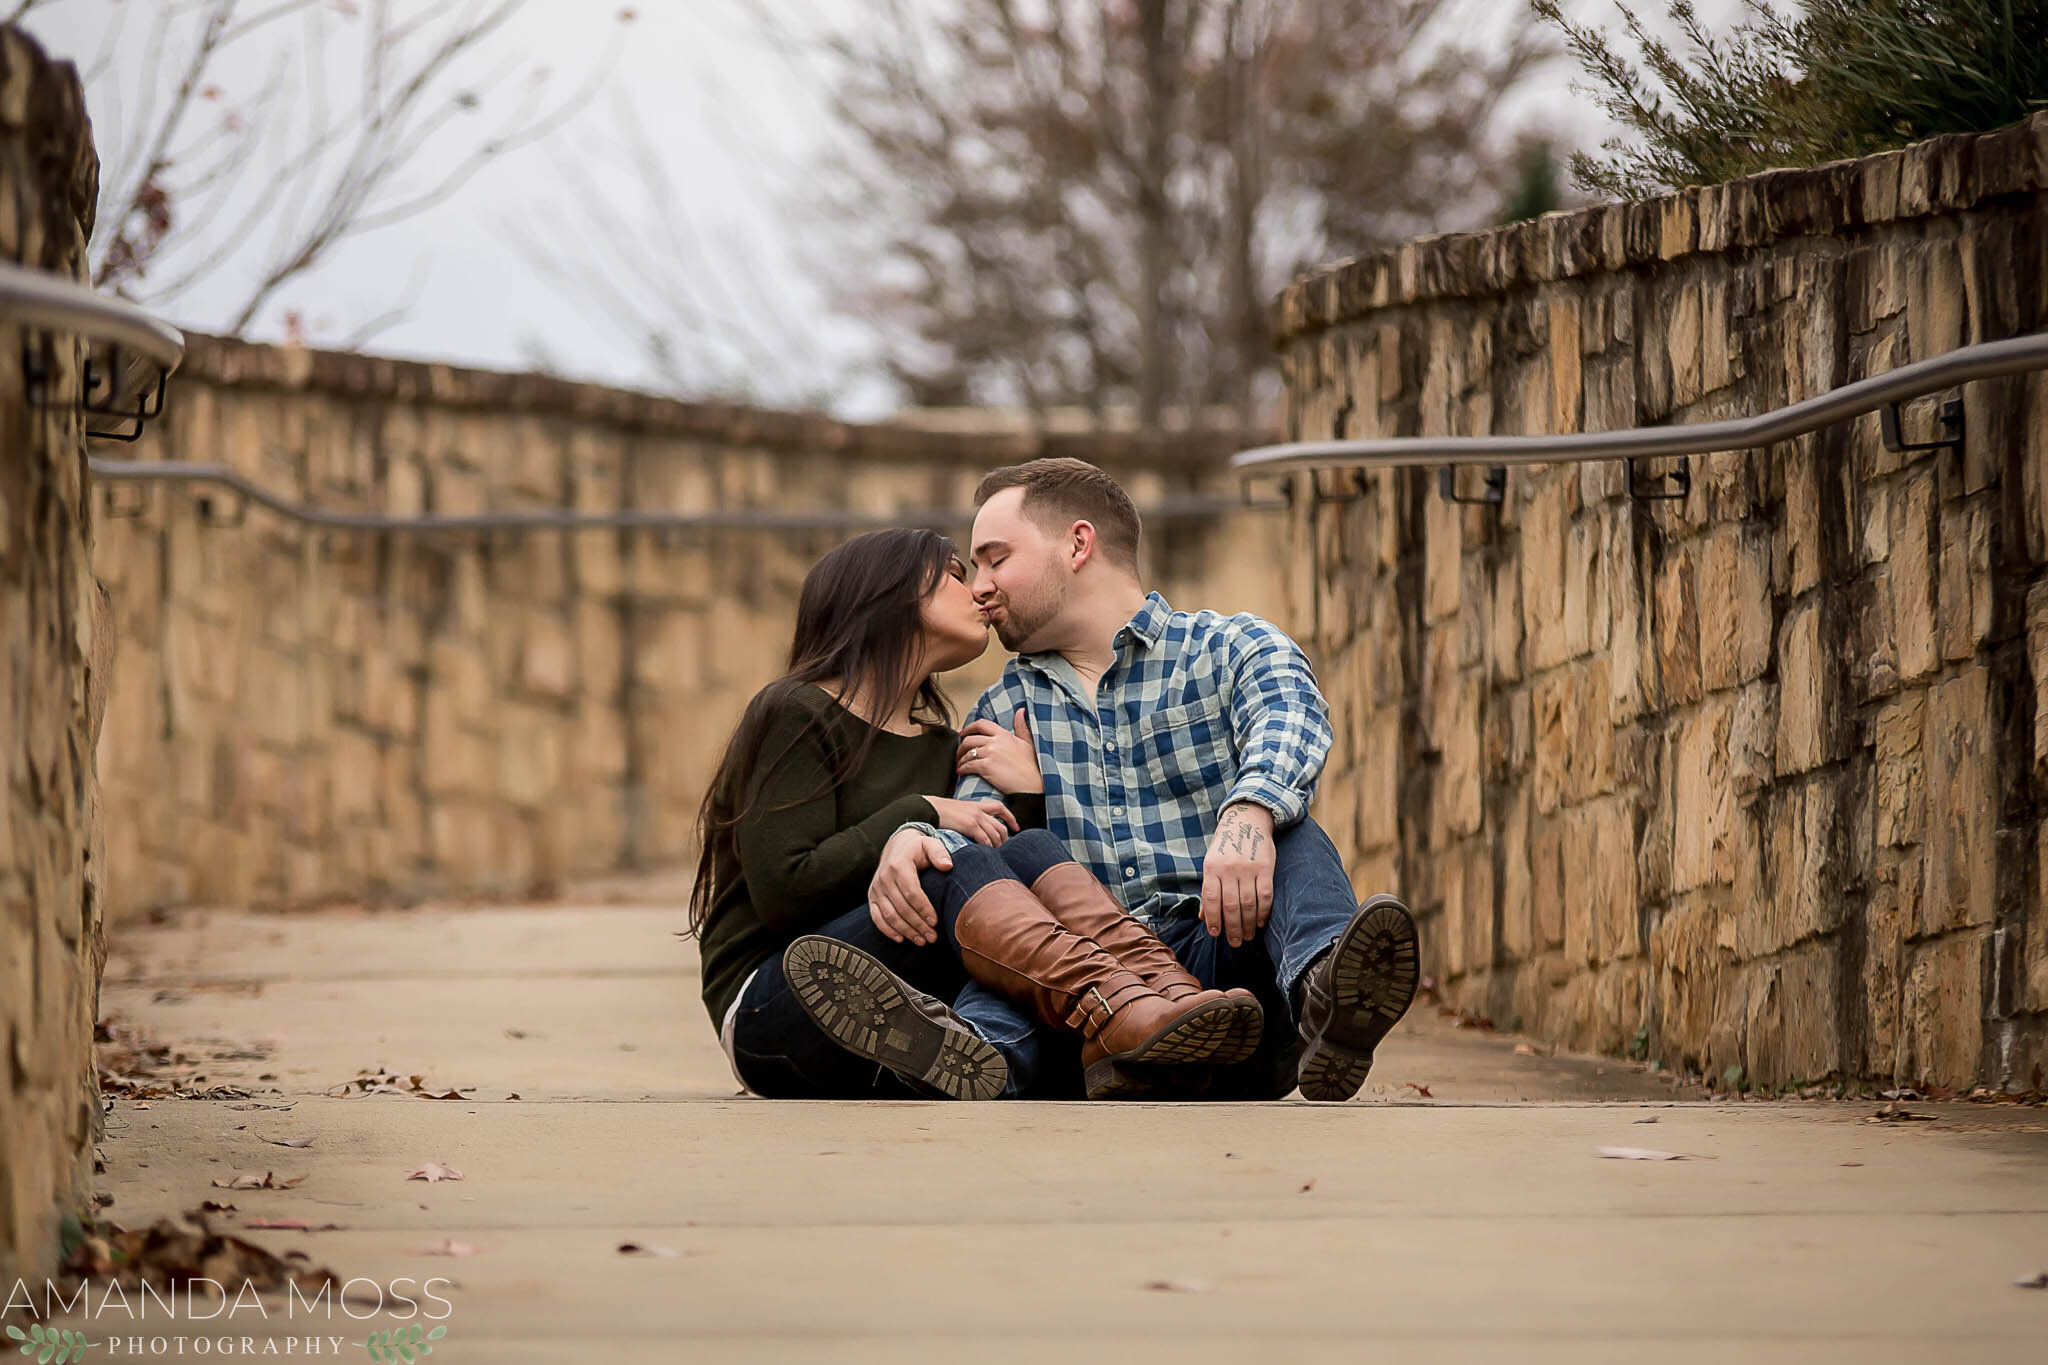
{"x": 1672, "y": 487}
{"x": 1948, "y": 422}
{"x": 1492, "y": 492}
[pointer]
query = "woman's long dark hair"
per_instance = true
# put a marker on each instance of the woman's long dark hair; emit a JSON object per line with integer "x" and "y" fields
{"x": 857, "y": 621}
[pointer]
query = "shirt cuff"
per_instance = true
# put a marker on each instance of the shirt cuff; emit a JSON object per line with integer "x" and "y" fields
{"x": 1287, "y": 804}
{"x": 953, "y": 841}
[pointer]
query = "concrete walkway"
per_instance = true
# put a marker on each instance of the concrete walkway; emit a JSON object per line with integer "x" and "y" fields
{"x": 1468, "y": 1225}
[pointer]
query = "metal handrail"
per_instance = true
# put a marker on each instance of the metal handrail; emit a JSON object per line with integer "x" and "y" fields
{"x": 561, "y": 519}
{"x": 1984, "y": 360}
{"x": 37, "y": 298}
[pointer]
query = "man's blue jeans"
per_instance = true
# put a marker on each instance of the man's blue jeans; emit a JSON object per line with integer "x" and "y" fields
{"x": 1312, "y": 902}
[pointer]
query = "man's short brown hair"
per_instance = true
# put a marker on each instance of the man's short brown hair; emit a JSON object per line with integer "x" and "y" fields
{"x": 1060, "y": 492}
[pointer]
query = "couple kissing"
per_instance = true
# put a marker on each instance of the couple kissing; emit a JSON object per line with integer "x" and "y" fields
{"x": 1106, "y": 884}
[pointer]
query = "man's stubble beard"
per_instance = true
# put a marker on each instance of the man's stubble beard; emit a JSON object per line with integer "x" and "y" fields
{"x": 1019, "y": 626}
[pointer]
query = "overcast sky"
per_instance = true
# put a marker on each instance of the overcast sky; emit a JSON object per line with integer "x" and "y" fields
{"x": 735, "y": 124}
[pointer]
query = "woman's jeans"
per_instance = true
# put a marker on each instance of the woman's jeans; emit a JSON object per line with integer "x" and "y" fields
{"x": 783, "y": 1055}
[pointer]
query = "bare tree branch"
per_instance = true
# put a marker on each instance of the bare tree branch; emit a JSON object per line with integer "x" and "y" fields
{"x": 1088, "y": 202}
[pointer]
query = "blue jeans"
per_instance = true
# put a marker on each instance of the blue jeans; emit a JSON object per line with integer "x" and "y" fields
{"x": 1312, "y": 902}
{"x": 781, "y": 1054}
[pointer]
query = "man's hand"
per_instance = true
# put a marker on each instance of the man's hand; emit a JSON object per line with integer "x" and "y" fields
{"x": 896, "y": 903}
{"x": 1237, "y": 874}
{"x": 1005, "y": 759}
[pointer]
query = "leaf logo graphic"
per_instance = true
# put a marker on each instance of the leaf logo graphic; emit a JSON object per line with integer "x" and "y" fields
{"x": 402, "y": 1345}
{"x": 50, "y": 1345}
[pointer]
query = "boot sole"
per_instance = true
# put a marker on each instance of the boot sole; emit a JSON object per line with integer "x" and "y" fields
{"x": 1206, "y": 1035}
{"x": 1124, "y": 1079}
{"x": 1374, "y": 971}
{"x": 866, "y": 1009}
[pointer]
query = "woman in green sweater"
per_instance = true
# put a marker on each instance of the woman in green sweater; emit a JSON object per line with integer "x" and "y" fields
{"x": 854, "y": 740}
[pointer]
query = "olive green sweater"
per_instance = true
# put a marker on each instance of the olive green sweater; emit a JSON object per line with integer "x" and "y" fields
{"x": 808, "y": 845}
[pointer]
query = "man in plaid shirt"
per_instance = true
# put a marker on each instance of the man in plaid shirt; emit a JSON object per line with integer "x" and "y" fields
{"x": 1176, "y": 753}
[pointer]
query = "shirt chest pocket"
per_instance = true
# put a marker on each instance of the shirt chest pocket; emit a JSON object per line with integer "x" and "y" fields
{"x": 1186, "y": 751}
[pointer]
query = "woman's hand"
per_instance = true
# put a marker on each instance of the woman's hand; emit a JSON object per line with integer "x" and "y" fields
{"x": 1005, "y": 759}
{"x": 985, "y": 822}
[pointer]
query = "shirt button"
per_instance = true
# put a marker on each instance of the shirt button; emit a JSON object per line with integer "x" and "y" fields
{"x": 1116, "y": 810}
{"x": 1130, "y": 872}
{"x": 1110, "y": 747}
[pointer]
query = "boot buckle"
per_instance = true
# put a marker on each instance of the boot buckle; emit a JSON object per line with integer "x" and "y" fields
{"x": 1081, "y": 1014}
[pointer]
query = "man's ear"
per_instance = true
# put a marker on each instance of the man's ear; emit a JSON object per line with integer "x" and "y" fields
{"x": 1081, "y": 543}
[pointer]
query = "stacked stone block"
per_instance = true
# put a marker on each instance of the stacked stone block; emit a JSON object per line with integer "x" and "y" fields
{"x": 54, "y": 640}
{"x": 1748, "y": 781}
{"x": 305, "y": 715}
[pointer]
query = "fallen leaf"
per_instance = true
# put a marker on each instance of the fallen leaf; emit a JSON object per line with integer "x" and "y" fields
{"x": 2039, "y": 1281}
{"x": 1891, "y": 1113}
{"x": 378, "y": 1081}
{"x": 645, "y": 1249}
{"x": 1421, "y": 1090}
{"x": 434, "y": 1170}
{"x": 1852, "y": 1163}
{"x": 293, "y": 1224}
{"x": 446, "y": 1247}
{"x": 215, "y": 1206}
{"x": 167, "y": 1253}
{"x": 249, "y": 1180}
{"x": 1176, "y": 1286}
{"x": 1651, "y": 1119}
{"x": 1306, "y": 1188}
{"x": 1638, "y": 1154}
{"x": 289, "y": 1142}
{"x": 1524, "y": 1050}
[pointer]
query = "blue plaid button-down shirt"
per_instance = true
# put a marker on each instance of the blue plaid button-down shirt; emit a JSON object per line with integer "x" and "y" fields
{"x": 1197, "y": 712}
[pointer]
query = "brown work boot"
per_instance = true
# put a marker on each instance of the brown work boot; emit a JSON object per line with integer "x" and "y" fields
{"x": 1084, "y": 905}
{"x": 1354, "y": 995}
{"x": 1011, "y": 943}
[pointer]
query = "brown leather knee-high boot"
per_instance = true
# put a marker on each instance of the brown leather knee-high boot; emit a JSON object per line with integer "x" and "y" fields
{"x": 1084, "y": 905}
{"x": 1011, "y": 943}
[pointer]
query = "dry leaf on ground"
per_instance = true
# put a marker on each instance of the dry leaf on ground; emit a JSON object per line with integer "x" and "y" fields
{"x": 645, "y": 1249}
{"x": 249, "y": 1180}
{"x": 2039, "y": 1281}
{"x": 433, "y": 1170}
{"x": 166, "y": 1254}
{"x": 1638, "y": 1154}
{"x": 377, "y": 1081}
{"x": 290, "y": 1224}
{"x": 446, "y": 1247}
{"x": 1891, "y": 1113}
{"x": 1421, "y": 1090}
{"x": 289, "y": 1142}
{"x": 1177, "y": 1286}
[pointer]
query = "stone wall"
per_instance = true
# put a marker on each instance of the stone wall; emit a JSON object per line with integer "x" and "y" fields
{"x": 303, "y": 715}
{"x": 52, "y": 941}
{"x": 1751, "y": 779}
